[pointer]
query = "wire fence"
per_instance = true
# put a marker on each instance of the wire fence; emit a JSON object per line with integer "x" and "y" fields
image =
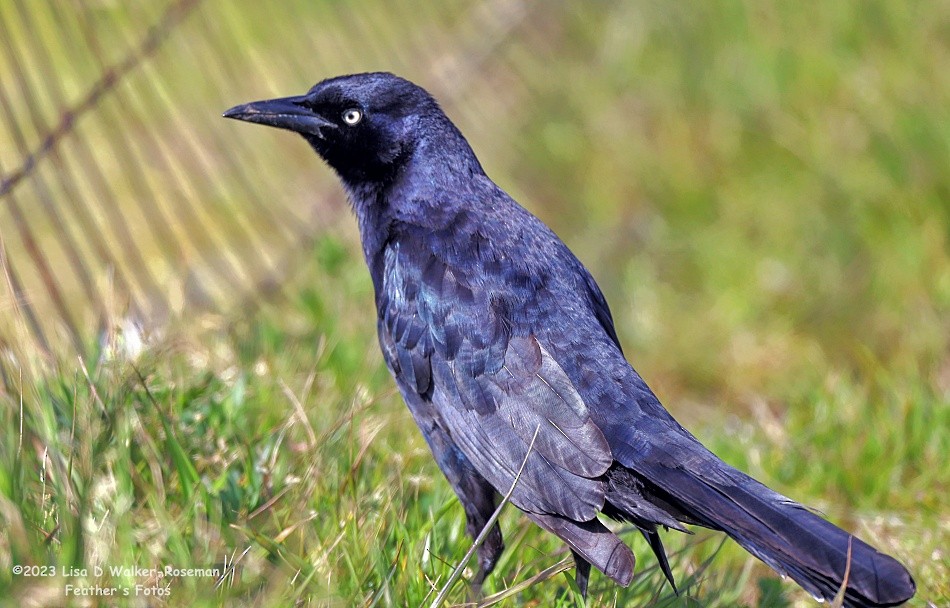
{"x": 125, "y": 201}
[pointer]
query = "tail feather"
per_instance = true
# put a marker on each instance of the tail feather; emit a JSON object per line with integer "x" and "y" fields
{"x": 594, "y": 542}
{"x": 653, "y": 537}
{"x": 785, "y": 535}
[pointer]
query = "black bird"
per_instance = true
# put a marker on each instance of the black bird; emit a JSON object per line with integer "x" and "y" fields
{"x": 497, "y": 335}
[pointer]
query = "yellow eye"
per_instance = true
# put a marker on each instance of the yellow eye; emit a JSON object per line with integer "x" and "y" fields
{"x": 352, "y": 117}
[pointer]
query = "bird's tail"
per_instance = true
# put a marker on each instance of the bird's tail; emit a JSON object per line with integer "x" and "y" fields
{"x": 784, "y": 534}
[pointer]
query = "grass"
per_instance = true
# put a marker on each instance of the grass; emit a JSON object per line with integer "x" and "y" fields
{"x": 761, "y": 191}
{"x": 276, "y": 451}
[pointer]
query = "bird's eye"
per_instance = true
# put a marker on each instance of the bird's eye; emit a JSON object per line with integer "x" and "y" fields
{"x": 352, "y": 117}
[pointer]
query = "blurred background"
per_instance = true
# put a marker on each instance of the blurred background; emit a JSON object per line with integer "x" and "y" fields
{"x": 761, "y": 188}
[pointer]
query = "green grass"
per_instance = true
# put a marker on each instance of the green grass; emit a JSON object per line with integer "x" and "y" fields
{"x": 279, "y": 447}
{"x": 762, "y": 191}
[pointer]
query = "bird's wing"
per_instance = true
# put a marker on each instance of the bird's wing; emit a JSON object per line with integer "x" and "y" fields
{"x": 495, "y": 389}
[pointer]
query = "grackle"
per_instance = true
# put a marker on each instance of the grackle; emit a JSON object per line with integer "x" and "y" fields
{"x": 500, "y": 340}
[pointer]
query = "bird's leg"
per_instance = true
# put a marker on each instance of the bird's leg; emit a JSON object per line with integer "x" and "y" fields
{"x": 581, "y": 572}
{"x": 489, "y": 551}
{"x": 476, "y": 495}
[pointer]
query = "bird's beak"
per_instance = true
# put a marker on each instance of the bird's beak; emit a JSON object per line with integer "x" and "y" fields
{"x": 289, "y": 113}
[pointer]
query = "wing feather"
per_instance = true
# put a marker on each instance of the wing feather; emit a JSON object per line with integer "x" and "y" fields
{"x": 449, "y": 339}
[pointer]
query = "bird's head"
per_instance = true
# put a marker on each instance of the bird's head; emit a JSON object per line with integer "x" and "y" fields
{"x": 365, "y": 126}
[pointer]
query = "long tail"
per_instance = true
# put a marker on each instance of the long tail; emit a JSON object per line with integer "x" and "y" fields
{"x": 784, "y": 534}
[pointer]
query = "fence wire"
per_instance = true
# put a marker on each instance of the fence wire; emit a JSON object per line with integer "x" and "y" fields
{"x": 125, "y": 199}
